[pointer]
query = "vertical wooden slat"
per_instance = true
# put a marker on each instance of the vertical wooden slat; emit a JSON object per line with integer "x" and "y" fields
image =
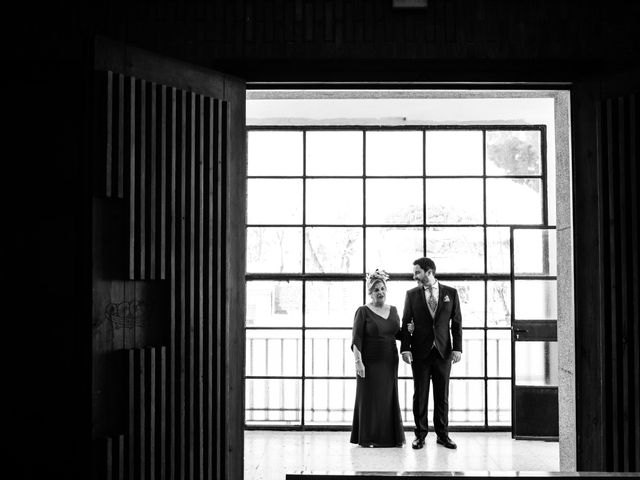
{"x": 153, "y": 180}
{"x": 182, "y": 284}
{"x": 190, "y": 277}
{"x": 132, "y": 175}
{"x": 141, "y": 251}
{"x": 110, "y": 459}
{"x": 208, "y": 285}
{"x": 109, "y": 135}
{"x": 199, "y": 265}
{"x": 621, "y": 193}
{"x": 172, "y": 251}
{"x": 121, "y": 135}
{"x": 162, "y": 395}
{"x": 121, "y": 462}
{"x": 164, "y": 122}
{"x": 219, "y": 316}
{"x": 612, "y": 296}
{"x": 141, "y": 417}
{"x": 131, "y": 416}
{"x": 634, "y": 175}
{"x": 151, "y": 414}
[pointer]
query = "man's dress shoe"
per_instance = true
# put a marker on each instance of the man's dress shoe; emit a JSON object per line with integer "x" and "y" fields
{"x": 446, "y": 442}
{"x": 417, "y": 444}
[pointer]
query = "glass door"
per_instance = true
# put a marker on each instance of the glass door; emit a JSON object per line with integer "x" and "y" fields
{"x": 534, "y": 333}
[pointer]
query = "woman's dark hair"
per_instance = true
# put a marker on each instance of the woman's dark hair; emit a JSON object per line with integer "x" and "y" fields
{"x": 425, "y": 264}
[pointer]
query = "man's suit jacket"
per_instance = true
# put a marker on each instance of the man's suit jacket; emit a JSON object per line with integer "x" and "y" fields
{"x": 427, "y": 328}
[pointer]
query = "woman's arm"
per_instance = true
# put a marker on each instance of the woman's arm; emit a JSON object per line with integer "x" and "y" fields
{"x": 356, "y": 343}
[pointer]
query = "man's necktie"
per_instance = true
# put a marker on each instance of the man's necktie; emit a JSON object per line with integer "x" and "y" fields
{"x": 431, "y": 301}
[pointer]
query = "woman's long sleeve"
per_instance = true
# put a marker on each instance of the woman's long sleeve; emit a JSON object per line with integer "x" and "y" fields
{"x": 358, "y": 330}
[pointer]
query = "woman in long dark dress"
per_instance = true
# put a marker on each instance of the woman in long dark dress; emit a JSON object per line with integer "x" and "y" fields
{"x": 376, "y": 326}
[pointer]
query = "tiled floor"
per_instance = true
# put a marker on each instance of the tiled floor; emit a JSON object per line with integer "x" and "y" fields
{"x": 270, "y": 455}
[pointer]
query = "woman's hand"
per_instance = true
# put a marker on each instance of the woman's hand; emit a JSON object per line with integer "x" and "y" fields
{"x": 359, "y": 368}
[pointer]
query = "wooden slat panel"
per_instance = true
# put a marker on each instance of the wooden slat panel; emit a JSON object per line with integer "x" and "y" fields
{"x": 620, "y": 313}
{"x": 175, "y": 146}
{"x": 634, "y": 178}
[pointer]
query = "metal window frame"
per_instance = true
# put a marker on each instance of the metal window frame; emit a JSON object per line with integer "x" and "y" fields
{"x": 303, "y": 276}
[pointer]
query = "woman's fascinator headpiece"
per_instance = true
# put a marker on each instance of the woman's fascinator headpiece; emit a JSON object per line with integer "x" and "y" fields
{"x": 375, "y": 277}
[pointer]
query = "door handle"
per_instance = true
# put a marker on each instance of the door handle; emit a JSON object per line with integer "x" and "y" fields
{"x": 518, "y": 331}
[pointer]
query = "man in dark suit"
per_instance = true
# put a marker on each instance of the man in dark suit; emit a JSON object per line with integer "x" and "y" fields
{"x": 431, "y": 341}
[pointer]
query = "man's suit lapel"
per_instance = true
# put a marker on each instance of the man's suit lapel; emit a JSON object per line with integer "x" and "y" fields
{"x": 420, "y": 293}
{"x": 441, "y": 295}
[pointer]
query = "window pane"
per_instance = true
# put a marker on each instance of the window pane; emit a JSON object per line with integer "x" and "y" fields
{"x": 328, "y": 353}
{"x": 274, "y": 201}
{"x": 536, "y": 300}
{"x": 274, "y": 153}
{"x": 466, "y": 402}
{"x": 499, "y": 353}
{"x": 333, "y": 250}
{"x": 397, "y": 290}
{"x": 273, "y": 401}
{"x": 499, "y": 398}
{"x": 537, "y": 363}
{"x": 471, "y": 295}
{"x": 513, "y": 153}
{"x": 332, "y": 304}
{"x": 456, "y": 152}
{"x": 454, "y": 201}
{"x": 274, "y": 352}
{"x": 472, "y": 362}
{"x": 456, "y": 249}
{"x": 274, "y": 304}
{"x": 498, "y": 250}
{"x": 274, "y": 249}
{"x": 393, "y": 249}
{"x": 405, "y": 396}
{"x": 334, "y": 153}
{"x": 499, "y": 304}
{"x": 394, "y": 153}
{"x": 334, "y": 201}
{"x": 394, "y": 201}
{"x": 534, "y": 252}
{"x": 516, "y": 201}
{"x": 329, "y": 401}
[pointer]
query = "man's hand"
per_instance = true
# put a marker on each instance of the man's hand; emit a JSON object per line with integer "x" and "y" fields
{"x": 456, "y": 356}
{"x": 407, "y": 357}
{"x": 359, "y": 368}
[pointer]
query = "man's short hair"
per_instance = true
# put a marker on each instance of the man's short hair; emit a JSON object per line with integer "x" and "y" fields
{"x": 425, "y": 264}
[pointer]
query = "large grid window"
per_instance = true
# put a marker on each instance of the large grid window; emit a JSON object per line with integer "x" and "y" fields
{"x": 326, "y": 205}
